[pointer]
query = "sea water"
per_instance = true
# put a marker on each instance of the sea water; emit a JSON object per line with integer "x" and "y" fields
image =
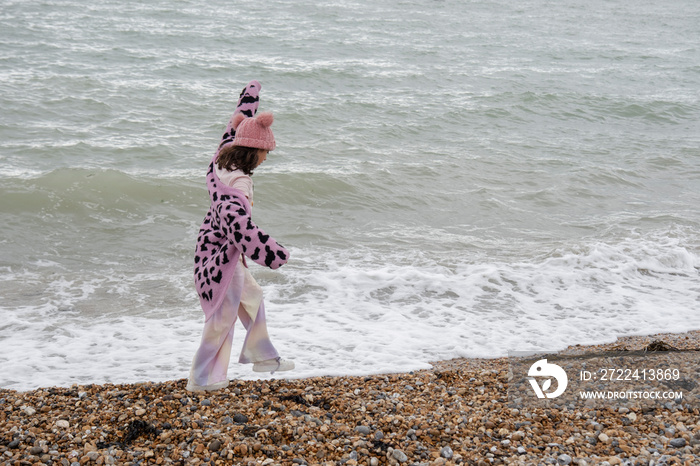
{"x": 453, "y": 178}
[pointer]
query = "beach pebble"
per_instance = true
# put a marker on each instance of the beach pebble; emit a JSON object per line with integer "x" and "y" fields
{"x": 564, "y": 459}
{"x": 28, "y": 410}
{"x": 399, "y": 456}
{"x": 239, "y": 418}
{"x": 677, "y": 442}
{"x": 446, "y": 452}
{"x": 362, "y": 430}
{"x": 62, "y": 423}
{"x": 36, "y": 450}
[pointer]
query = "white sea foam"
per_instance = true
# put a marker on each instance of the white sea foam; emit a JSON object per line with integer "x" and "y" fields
{"x": 336, "y": 313}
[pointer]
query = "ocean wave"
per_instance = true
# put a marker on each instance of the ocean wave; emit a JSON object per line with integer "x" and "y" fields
{"x": 365, "y": 310}
{"x": 72, "y": 189}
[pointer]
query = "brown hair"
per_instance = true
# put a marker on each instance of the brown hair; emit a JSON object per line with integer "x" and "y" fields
{"x": 238, "y": 157}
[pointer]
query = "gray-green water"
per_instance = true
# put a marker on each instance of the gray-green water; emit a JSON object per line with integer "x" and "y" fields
{"x": 452, "y": 178}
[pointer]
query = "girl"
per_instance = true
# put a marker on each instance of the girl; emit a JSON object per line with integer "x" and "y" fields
{"x": 226, "y": 288}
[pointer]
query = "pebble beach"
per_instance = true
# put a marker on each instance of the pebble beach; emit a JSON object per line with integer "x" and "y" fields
{"x": 457, "y": 412}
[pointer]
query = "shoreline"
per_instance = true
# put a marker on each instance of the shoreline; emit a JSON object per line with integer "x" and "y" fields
{"x": 689, "y": 340}
{"x": 457, "y": 412}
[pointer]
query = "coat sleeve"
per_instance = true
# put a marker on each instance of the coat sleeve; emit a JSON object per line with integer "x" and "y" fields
{"x": 248, "y": 103}
{"x": 251, "y": 240}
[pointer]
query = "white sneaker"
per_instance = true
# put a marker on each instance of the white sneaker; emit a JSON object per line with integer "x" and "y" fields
{"x": 192, "y": 387}
{"x": 273, "y": 365}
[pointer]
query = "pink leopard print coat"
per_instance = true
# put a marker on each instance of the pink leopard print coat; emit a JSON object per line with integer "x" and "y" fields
{"x": 228, "y": 231}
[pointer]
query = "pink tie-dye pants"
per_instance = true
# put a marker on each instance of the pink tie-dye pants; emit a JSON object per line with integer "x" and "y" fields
{"x": 243, "y": 300}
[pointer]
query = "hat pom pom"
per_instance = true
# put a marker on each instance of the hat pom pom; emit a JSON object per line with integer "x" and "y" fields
{"x": 237, "y": 119}
{"x": 265, "y": 119}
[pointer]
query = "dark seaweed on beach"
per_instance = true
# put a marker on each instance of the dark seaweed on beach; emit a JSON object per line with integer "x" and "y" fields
{"x": 659, "y": 345}
{"x": 250, "y": 430}
{"x": 134, "y": 430}
{"x": 380, "y": 447}
{"x": 294, "y": 399}
{"x": 298, "y": 399}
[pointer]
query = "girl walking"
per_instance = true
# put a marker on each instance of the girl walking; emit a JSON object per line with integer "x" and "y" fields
{"x": 226, "y": 288}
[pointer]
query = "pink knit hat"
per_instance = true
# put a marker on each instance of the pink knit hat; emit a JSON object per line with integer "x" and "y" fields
{"x": 254, "y": 132}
